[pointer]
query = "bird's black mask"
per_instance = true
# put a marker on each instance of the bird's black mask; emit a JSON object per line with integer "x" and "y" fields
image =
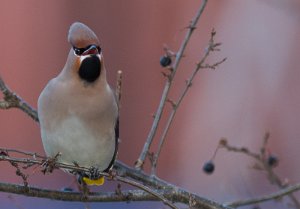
{"x": 90, "y": 69}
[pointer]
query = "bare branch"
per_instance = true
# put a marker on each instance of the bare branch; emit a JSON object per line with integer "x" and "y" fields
{"x": 211, "y": 47}
{"x": 263, "y": 164}
{"x": 264, "y": 145}
{"x": 166, "y": 192}
{"x": 14, "y": 162}
{"x": 276, "y": 195}
{"x": 179, "y": 54}
{"x": 130, "y": 195}
{"x": 11, "y": 100}
{"x": 223, "y": 144}
{"x": 119, "y": 86}
{"x": 124, "y": 196}
{"x": 32, "y": 154}
{"x": 147, "y": 189}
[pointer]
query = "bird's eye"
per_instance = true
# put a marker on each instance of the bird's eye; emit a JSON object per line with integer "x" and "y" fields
{"x": 78, "y": 51}
{"x": 91, "y": 49}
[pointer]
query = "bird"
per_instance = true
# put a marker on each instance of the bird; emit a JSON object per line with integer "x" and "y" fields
{"x": 78, "y": 111}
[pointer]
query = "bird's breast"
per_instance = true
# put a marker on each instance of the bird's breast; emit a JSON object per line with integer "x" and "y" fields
{"x": 79, "y": 143}
{"x": 78, "y": 123}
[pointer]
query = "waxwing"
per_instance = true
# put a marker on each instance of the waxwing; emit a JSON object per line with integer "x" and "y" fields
{"x": 78, "y": 111}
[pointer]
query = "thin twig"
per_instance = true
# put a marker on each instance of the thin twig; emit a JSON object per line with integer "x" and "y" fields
{"x": 32, "y": 154}
{"x": 223, "y": 144}
{"x": 147, "y": 189}
{"x": 179, "y": 54}
{"x": 119, "y": 86}
{"x": 200, "y": 65}
{"x": 178, "y": 194}
{"x": 262, "y": 164}
{"x": 12, "y": 100}
{"x": 276, "y": 195}
{"x": 264, "y": 145}
{"x": 274, "y": 178}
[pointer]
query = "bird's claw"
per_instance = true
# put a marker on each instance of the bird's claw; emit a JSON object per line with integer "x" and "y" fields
{"x": 93, "y": 177}
{"x": 94, "y": 173}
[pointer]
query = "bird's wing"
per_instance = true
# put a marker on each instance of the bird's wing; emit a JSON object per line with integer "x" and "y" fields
{"x": 116, "y": 146}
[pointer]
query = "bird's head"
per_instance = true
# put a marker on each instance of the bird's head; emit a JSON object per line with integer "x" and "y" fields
{"x": 85, "y": 57}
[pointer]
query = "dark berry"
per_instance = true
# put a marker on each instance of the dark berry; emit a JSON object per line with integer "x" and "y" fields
{"x": 165, "y": 61}
{"x": 209, "y": 167}
{"x": 272, "y": 161}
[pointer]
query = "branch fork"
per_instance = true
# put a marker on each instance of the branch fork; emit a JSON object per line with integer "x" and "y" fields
{"x": 261, "y": 164}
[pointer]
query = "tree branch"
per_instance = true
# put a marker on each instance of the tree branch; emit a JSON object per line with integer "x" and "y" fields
{"x": 49, "y": 165}
{"x": 262, "y": 164}
{"x": 119, "y": 86}
{"x": 179, "y": 55}
{"x": 12, "y": 100}
{"x": 166, "y": 190}
{"x": 167, "y": 193}
{"x": 130, "y": 195}
{"x": 277, "y": 195}
{"x": 200, "y": 65}
{"x": 124, "y": 196}
{"x": 181, "y": 194}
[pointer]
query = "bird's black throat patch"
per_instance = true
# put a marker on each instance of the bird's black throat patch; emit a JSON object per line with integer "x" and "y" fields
{"x": 90, "y": 69}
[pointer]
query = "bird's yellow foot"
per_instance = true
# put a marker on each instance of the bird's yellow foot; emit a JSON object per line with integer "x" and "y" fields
{"x": 92, "y": 182}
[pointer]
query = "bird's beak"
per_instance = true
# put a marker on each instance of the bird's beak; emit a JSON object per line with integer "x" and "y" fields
{"x": 93, "y": 49}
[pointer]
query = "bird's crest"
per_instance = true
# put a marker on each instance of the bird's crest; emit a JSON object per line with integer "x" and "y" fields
{"x": 81, "y": 36}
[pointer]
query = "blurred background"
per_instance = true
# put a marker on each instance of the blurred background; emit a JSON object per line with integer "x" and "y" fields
{"x": 254, "y": 91}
